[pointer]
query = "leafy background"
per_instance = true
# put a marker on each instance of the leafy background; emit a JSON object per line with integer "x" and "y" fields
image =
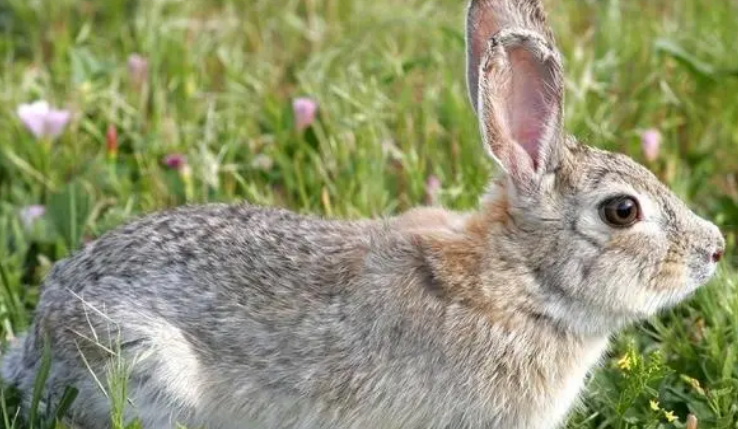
{"x": 210, "y": 118}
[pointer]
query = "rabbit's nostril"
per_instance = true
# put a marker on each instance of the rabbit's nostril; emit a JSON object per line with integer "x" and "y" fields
{"x": 717, "y": 256}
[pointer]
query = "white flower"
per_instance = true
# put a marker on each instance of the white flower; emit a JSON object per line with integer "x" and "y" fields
{"x": 29, "y": 214}
{"x": 42, "y": 120}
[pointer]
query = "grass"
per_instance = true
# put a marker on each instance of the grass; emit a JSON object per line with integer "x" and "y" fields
{"x": 393, "y": 111}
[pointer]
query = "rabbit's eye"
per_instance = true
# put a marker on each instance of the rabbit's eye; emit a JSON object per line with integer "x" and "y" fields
{"x": 620, "y": 212}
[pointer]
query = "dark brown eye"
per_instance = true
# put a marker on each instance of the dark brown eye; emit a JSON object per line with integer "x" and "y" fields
{"x": 620, "y": 212}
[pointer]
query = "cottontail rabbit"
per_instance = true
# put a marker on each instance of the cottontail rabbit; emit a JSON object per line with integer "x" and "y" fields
{"x": 246, "y": 317}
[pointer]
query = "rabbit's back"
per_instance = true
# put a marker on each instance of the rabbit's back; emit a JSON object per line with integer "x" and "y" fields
{"x": 218, "y": 242}
{"x": 206, "y": 269}
{"x": 235, "y": 309}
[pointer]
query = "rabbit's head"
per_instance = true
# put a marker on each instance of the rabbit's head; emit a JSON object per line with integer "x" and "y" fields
{"x": 606, "y": 241}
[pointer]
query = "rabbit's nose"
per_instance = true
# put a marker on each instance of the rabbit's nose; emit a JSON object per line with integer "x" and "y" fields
{"x": 719, "y": 249}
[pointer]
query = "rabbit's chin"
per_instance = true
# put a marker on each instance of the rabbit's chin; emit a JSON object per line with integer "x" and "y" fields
{"x": 590, "y": 319}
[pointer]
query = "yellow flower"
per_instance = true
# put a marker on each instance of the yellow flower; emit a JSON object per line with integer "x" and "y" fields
{"x": 625, "y": 362}
{"x": 654, "y": 405}
{"x": 85, "y": 87}
{"x": 190, "y": 87}
{"x": 669, "y": 416}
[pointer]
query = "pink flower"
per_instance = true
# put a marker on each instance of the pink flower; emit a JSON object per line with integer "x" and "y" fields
{"x": 29, "y": 214}
{"x": 42, "y": 120}
{"x": 650, "y": 144}
{"x": 432, "y": 188}
{"x": 138, "y": 69}
{"x": 175, "y": 161}
{"x": 304, "y": 110}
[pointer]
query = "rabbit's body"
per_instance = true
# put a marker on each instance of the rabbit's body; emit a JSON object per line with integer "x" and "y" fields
{"x": 271, "y": 317}
{"x": 240, "y": 317}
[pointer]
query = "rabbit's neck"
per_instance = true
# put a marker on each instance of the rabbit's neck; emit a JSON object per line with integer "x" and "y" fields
{"x": 490, "y": 278}
{"x": 476, "y": 260}
{"x": 509, "y": 328}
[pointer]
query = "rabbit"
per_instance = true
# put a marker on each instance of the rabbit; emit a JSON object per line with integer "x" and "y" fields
{"x": 234, "y": 316}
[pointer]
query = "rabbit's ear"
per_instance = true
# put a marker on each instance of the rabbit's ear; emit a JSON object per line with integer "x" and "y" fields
{"x": 485, "y": 18}
{"x": 516, "y": 84}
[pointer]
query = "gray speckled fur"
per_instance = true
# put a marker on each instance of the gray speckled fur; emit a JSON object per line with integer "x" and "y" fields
{"x": 235, "y": 316}
{"x": 273, "y": 305}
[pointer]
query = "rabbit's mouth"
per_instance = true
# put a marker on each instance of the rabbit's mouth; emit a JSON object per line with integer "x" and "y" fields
{"x": 674, "y": 289}
{"x": 701, "y": 273}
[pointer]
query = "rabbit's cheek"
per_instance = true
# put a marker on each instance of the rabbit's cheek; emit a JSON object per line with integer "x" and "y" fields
{"x": 641, "y": 287}
{"x": 674, "y": 281}
{"x": 670, "y": 276}
{"x": 628, "y": 275}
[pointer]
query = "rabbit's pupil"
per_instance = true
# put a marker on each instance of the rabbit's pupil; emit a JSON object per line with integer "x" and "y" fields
{"x": 620, "y": 211}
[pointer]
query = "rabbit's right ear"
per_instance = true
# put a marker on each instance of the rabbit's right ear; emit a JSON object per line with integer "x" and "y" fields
{"x": 516, "y": 85}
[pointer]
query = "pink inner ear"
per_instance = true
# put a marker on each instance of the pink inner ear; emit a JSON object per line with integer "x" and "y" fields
{"x": 529, "y": 113}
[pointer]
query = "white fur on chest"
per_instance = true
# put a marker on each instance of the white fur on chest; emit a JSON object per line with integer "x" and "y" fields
{"x": 562, "y": 400}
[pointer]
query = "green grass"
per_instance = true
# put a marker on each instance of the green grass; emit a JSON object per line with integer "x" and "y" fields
{"x": 389, "y": 78}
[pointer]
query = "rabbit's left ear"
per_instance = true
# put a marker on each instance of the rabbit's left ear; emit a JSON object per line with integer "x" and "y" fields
{"x": 516, "y": 84}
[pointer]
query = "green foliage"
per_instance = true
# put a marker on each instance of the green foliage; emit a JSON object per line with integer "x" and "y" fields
{"x": 388, "y": 77}
{"x": 69, "y": 210}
